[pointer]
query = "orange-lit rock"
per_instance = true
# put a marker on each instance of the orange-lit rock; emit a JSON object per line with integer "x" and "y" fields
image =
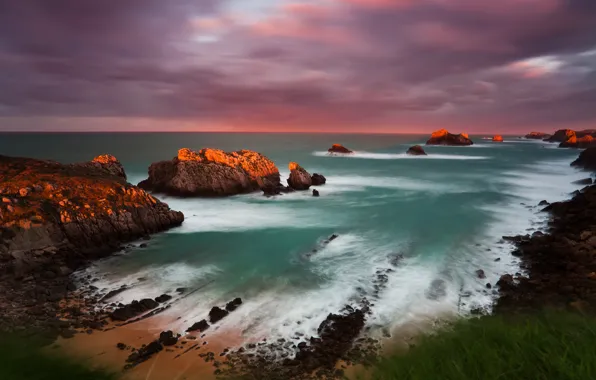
{"x": 561, "y": 135}
{"x": 586, "y": 141}
{"x": 338, "y": 148}
{"x": 88, "y": 206}
{"x": 299, "y": 178}
{"x": 212, "y": 172}
{"x": 498, "y": 138}
{"x": 443, "y": 137}
{"x": 537, "y": 136}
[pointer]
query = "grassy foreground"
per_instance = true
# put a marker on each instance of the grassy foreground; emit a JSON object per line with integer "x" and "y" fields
{"x": 22, "y": 359}
{"x": 548, "y": 346}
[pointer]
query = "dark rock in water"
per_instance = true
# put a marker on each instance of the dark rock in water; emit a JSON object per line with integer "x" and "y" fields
{"x": 416, "y": 150}
{"x": 145, "y": 353}
{"x": 338, "y": 148}
{"x": 443, "y": 137}
{"x": 488, "y": 285}
{"x": 315, "y": 193}
{"x": 480, "y": 273}
{"x": 211, "y": 172}
{"x": 167, "y": 338}
{"x": 200, "y": 326}
{"x": 318, "y": 179}
{"x": 133, "y": 309}
{"x": 586, "y": 159}
{"x": 216, "y": 314}
{"x": 233, "y": 305}
{"x": 181, "y": 290}
{"x": 121, "y": 346}
{"x": 299, "y": 178}
{"x": 543, "y": 203}
{"x": 163, "y": 298}
{"x": 537, "y": 136}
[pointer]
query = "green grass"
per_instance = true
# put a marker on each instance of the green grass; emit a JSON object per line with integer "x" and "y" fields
{"x": 548, "y": 346}
{"x": 22, "y": 359}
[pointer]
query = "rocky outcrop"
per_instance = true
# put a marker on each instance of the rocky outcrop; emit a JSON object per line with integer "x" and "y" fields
{"x": 212, "y": 172}
{"x": 299, "y": 178}
{"x": 586, "y": 141}
{"x": 338, "y": 148}
{"x": 315, "y": 193}
{"x": 56, "y": 217}
{"x": 537, "y": 136}
{"x": 586, "y": 159}
{"x": 443, "y": 137}
{"x": 416, "y": 150}
{"x": 561, "y": 135}
{"x": 318, "y": 179}
{"x": 497, "y": 138}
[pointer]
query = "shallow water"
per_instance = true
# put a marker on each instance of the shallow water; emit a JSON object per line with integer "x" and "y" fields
{"x": 445, "y": 213}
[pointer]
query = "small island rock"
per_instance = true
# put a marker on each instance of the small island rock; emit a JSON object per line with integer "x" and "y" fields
{"x": 443, "y": 137}
{"x": 498, "y": 138}
{"x": 338, "y": 148}
{"x": 416, "y": 150}
{"x": 299, "y": 178}
{"x": 318, "y": 179}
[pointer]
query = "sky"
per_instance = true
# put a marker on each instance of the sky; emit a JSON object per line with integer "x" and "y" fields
{"x": 388, "y": 66}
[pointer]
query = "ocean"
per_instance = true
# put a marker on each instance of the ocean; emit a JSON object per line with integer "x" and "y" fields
{"x": 445, "y": 213}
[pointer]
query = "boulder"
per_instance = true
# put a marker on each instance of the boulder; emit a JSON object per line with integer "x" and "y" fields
{"x": 416, "y": 150}
{"x": 537, "y": 136}
{"x": 318, "y": 179}
{"x": 497, "y": 138}
{"x": 216, "y": 314}
{"x": 233, "y": 305}
{"x": 163, "y": 298}
{"x": 338, "y": 148}
{"x": 586, "y": 159}
{"x": 443, "y": 137}
{"x": 200, "y": 326}
{"x": 167, "y": 338}
{"x": 315, "y": 193}
{"x": 212, "y": 172}
{"x": 299, "y": 178}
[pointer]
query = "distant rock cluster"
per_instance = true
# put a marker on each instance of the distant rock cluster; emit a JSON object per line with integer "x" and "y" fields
{"x": 443, "y": 137}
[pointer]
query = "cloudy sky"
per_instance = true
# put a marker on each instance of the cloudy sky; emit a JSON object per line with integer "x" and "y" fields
{"x": 290, "y": 65}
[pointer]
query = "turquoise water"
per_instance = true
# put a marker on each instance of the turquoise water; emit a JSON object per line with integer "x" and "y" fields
{"x": 445, "y": 213}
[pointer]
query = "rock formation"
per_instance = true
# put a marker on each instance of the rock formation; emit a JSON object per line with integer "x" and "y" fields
{"x": 537, "y": 136}
{"x": 212, "y": 172}
{"x": 561, "y": 135}
{"x": 581, "y": 142}
{"x": 338, "y": 148}
{"x": 586, "y": 159}
{"x": 315, "y": 193}
{"x": 318, "y": 179}
{"x": 416, "y": 150}
{"x": 498, "y": 138}
{"x": 299, "y": 178}
{"x": 443, "y": 137}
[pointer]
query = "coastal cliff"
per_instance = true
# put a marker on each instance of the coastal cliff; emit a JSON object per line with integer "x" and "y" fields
{"x": 212, "y": 172}
{"x": 55, "y": 217}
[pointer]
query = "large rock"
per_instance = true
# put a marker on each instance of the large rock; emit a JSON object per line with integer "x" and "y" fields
{"x": 212, "y": 172}
{"x": 318, "y": 179}
{"x": 299, "y": 178}
{"x": 443, "y": 137}
{"x": 338, "y": 148}
{"x": 416, "y": 150}
{"x": 537, "y": 136}
{"x": 586, "y": 159}
{"x": 561, "y": 135}
{"x": 581, "y": 142}
{"x": 498, "y": 138}
{"x": 86, "y": 208}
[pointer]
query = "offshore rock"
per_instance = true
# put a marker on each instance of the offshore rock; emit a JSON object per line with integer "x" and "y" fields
{"x": 416, "y": 150}
{"x": 561, "y": 135}
{"x": 212, "y": 172}
{"x": 443, "y": 137}
{"x": 537, "y": 136}
{"x": 497, "y": 138}
{"x": 338, "y": 148}
{"x": 299, "y": 178}
{"x": 586, "y": 141}
{"x": 318, "y": 179}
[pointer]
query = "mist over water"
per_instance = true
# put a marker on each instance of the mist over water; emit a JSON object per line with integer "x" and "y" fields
{"x": 445, "y": 213}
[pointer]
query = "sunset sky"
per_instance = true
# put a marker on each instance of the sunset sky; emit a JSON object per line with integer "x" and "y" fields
{"x": 275, "y": 65}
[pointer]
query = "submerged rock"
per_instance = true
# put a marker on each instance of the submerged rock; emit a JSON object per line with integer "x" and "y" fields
{"x": 299, "y": 178}
{"x": 212, "y": 172}
{"x": 443, "y": 137}
{"x": 338, "y": 148}
{"x": 416, "y": 150}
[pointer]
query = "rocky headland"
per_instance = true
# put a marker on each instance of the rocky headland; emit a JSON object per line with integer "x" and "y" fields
{"x": 568, "y": 138}
{"x": 212, "y": 172}
{"x": 54, "y": 219}
{"x": 443, "y": 137}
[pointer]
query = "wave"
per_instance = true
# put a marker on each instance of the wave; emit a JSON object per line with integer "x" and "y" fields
{"x": 398, "y": 156}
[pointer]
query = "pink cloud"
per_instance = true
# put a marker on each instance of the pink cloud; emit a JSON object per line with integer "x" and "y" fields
{"x": 437, "y": 34}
